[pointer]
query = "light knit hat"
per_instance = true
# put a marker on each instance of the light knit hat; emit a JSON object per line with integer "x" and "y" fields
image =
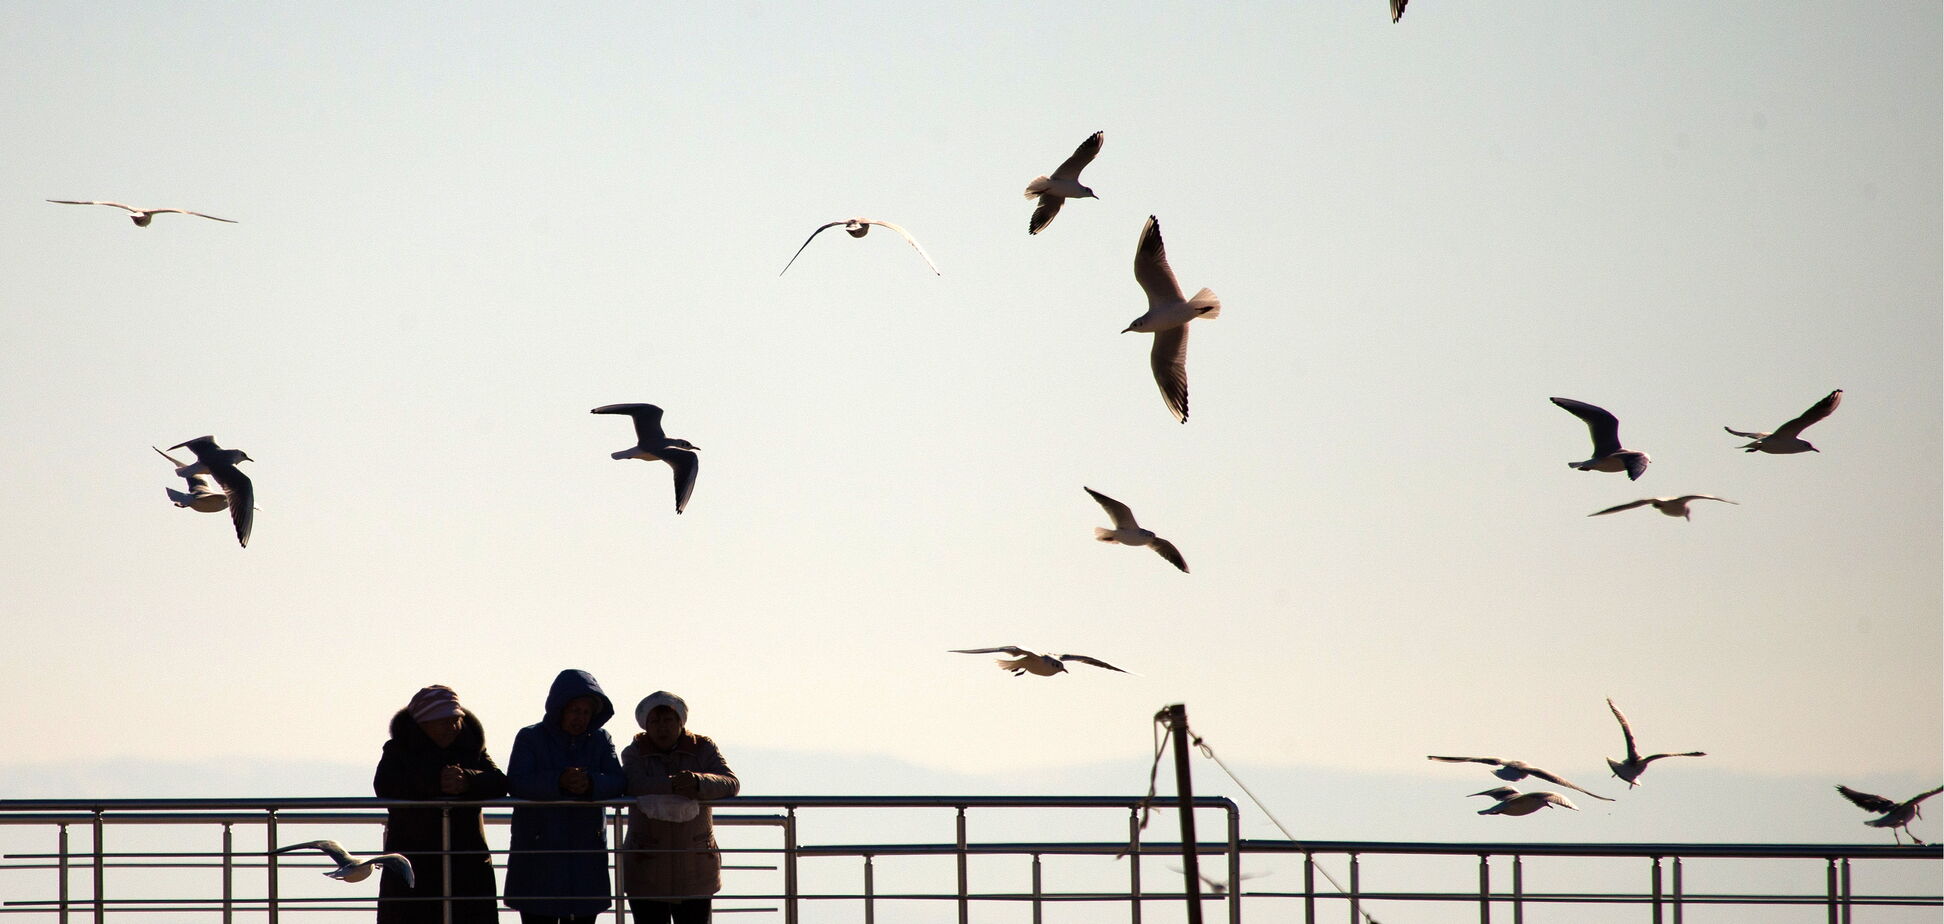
{"x": 434, "y": 702}
{"x": 660, "y": 698}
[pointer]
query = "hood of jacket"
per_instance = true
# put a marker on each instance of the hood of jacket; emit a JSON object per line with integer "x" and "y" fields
{"x": 570, "y": 685}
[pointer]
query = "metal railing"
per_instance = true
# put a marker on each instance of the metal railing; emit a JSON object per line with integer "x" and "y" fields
{"x": 249, "y": 882}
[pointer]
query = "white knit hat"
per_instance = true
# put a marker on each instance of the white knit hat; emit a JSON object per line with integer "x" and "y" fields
{"x": 660, "y": 698}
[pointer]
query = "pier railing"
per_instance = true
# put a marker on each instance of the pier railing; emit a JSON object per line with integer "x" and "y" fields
{"x": 67, "y": 861}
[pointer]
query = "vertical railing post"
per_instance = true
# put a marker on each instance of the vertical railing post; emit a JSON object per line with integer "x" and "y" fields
{"x": 1833, "y": 917}
{"x": 63, "y": 863}
{"x": 1846, "y": 890}
{"x": 1356, "y": 887}
{"x": 445, "y": 864}
{"x": 1185, "y": 798}
{"x": 870, "y": 890}
{"x": 1038, "y": 913}
{"x": 270, "y": 864}
{"x": 1234, "y": 865}
{"x": 1657, "y": 890}
{"x": 229, "y": 867}
{"x": 1678, "y": 891}
{"x": 100, "y": 903}
{"x": 1518, "y": 889}
{"x": 1309, "y": 888}
{"x": 1134, "y": 864}
{"x": 620, "y": 905}
{"x": 789, "y": 866}
{"x": 1484, "y": 888}
{"x": 964, "y": 882}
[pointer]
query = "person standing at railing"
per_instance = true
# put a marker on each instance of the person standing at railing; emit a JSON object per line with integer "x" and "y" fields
{"x": 437, "y": 751}
{"x": 673, "y": 864}
{"x": 556, "y": 872}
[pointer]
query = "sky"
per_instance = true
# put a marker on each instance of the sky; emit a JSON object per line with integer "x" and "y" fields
{"x": 460, "y": 227}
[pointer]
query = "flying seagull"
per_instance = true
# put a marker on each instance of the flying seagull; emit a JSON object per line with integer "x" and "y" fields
{"x": 1896, "y": 814}
{"x": 1217, "y": 886}
{"x": 1128, "y": 532}
{"x": 858, "y": 227}
{"x": 203, "y": 495}
{"x": 1053, "y": 191}
{"x": 220, "y": 464}
{"x": 1516, "y": 770}
{"x": 679, "y": 454}
{"x": 1635, "y": 765}
{"x": 1607, "y": 454}
{"x": 1397, "y": 13}
{"x": 1514, "y": 802}
{"x": 142, "y": 217}
{"x": 1027, "y": 662}
{"x": 1671, "y": 506}
{"x": 1167, "y": 318}
{"x": 1788, "y": 438}
{"x": 352, "y": 869}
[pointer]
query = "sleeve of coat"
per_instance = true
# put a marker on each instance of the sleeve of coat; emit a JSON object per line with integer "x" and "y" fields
{"x": 485, "y": 781}
{"x": 609, "y": 781}
{"x": 395, "y": 778}
{"x": 713, "y": 775}
{"x": 525, "y": 777}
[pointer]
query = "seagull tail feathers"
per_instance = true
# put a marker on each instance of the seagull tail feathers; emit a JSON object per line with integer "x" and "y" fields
{"x": 1206, "y": 303}
{"x": 1037, "y": 186}
{"x": 1104, "y": 534}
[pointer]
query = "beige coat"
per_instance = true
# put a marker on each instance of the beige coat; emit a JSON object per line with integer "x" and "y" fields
{"x": 684, "y": 861}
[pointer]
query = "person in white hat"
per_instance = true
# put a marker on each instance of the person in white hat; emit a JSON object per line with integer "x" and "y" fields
{"x": 673, "y": 867}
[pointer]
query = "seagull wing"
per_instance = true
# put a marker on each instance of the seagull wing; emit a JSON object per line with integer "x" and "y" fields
{"x": 1603, "y": 425}
{"x": 1748, "y": 436}
{"x": 399, "y": 862}
{"x": 1464, "y": 760}
{"x": 242, "y": 499}
{"x": 1654, "y": 757}
{"x": 1151, "y": 268}
{"x": 1013, "y": 650}
{"x": 1869, "y": 802}
{"x": 1082, "y": 156}
{"x": 1823, "y": 408}
{"x": 187, "y": 212}
{"x": 172, "y": 459}
{"x": 201, "y": 445}
{"x": 1397, "y": 9}
{"x": 910, "y": 240}
{"x": 1167, "y": 550}
{"x": 115, "y": 204}
{"x": 647, "y": 420}
{"x": 1616, "y": 509}
{"x": 1083, "y": 659}
{"x": 685, "y": 464}
{"x": 1121, "y": 514}
{"x": 1049, "y": 206}
{"x": 806, "y": 243}
{"x": 1696, "y": 497}
{"x": 1556, "y": 778}
{"x": 1625, "y": 729}
{"x": 1169, "y": 360}
{"x": 1922, "y": 796}
{"x": 330, "y": 849}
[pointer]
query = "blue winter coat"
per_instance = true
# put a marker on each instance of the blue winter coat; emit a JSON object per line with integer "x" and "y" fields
{"x": 562, "y": 884}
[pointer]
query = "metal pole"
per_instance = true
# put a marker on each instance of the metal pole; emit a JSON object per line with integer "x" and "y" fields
{"x": 101, "y": 909}
{"x": 1309, "y": 888}
{"x": 1846, "y": 891}
{"x": 64, "y": 874}
{"x": 964, "y": 904}
{"x": 1484, "y": 888}
{"x": 620, "y": 906}
{"x": 1518, "y": 889}
{"x": 229, "y": 865}
{"x": 789, "y": 866}
{"x": 1037, "y": 911}
{"x": 1134, "y": 864}
{"x": 1832, "y": 891}
{"x": 1657, "y": 890}
{"x": 445, "y": 863}
{"x": 1677, "y": 890}
{"x": 870, "y": 891}
{"x": 1356, "y": 886}
{"x": 270, "y": 863}
{"x": 1234, "y": 865}
{"x": 1185, "y": 798}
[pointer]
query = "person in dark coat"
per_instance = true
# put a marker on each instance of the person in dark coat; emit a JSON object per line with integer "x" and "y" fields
{"x": 437, "y": 751}
{"x": 565, "y": 756}
{"x": 673, "y": 864}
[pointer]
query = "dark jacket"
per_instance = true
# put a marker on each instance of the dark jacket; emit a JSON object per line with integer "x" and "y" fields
{"x": 678, "y": 859}
{"x": 410, "y": 769}
{"x": 561, "y": 884}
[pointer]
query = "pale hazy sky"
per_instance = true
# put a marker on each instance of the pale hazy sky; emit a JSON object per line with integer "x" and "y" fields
{"x": 461, "y": 226}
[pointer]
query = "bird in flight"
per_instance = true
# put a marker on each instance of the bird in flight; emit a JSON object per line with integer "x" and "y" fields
{"x": 1127, "y": 532}
{"x": 1671, "y": 506}
{"x": 1896, "y": 815}
{"x": 142, "y": 217}
{"x": 203, "y": 495}
{"x": 1635, "y": 765}
{"x": 1217, "y": 886}
{"x": 1514, "y": 802}
{"x": 1607, "y": 454}
{"x": 220, "y": 464}
{"x": 652, "y": 443}
{"x": 1397, "y": 13}
{"x": 1027, "y": 662}
{"x": 353, "y": 869}
{"x": 858, "y": 227}
{"x": 1167, "y": 318}
{"x": 1788, "y": 438}
{"x": 1515, "y": 770}
{"x": 1053, "y": 191}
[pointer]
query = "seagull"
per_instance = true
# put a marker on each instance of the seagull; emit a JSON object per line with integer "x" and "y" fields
{"x": 1053, "y": 191}
{"x": 352, "y": 869}
{"x": 1044, "y": 665}
{"x": 1635, "y": 765}
{"x": 203, "y": 495}
{"x": 1671, "y": 506}
{"x": 142, "y": 217}
{"x": 1607, "y": 454}
{"x": 1217, "y": 886}
{"x": 1514, "y": 802}
{"x": 1896, "y": 814}
{"x": 1788, "y": 438}
{"x": 858, "y": 227}
{"x": 1167, "y": 318}
{"x": 1516, "y": 770}
{"x": 220, "y": 464}
{"x": 1128, "y": 532}
{"x": 679, "y": 454}
{"x": 1397, "y": 9}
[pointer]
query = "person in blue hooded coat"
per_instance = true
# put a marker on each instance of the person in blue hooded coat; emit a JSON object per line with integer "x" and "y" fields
{"x": 566, "y": 756}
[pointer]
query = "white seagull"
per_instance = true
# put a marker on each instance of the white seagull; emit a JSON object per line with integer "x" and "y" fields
{"x": 1514, "y": 802}
{"x": 1635, "y": 765}
{"x": 1607, "y": 454}
{"x": 1027, "y": 662}
{"x": 203, "y": 496}
{"x": 352, "y": 869}
{"x": 653, "y": 444}
{"x": 1788, "y": 438}
{"x": 1128, "y": 532}
{"x": 1516, "y": 770}
{"x": 1671, "y": 506}
{"x": 1897, "y": 815}
{"x": 1167, "y": 318}
{"x": 142, "y": 217}
{"x": 220, "y": 464}
{"x": 1053, "y": 191}
{"x": 858, "y": 227}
